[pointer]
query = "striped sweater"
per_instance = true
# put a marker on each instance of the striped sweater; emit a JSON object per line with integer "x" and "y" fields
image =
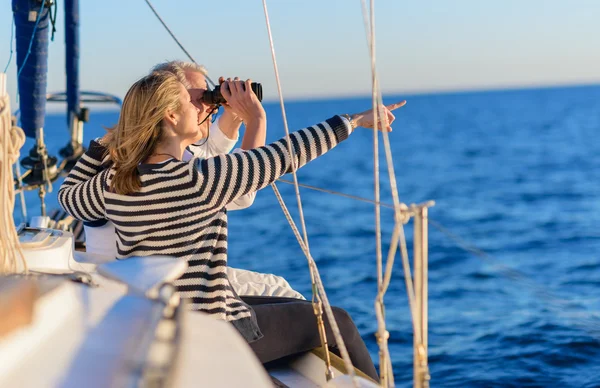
{"x": 180, "y": 210}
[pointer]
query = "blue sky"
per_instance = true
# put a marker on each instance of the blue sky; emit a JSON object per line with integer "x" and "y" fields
{"x": 321, "y": 46}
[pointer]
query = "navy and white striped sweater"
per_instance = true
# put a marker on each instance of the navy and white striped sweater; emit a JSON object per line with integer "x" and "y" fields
{"x": 180, "y": 210}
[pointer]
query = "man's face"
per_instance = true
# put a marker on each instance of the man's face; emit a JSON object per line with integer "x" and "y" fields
{"x": 198, "y": 86}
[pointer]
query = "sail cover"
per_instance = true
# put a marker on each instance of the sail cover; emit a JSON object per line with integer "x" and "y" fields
{"x": 32, "y": 62}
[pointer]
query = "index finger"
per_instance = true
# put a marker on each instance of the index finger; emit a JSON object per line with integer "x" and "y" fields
{"x": 248, "y": 86}
{"x": 396, "y": 105}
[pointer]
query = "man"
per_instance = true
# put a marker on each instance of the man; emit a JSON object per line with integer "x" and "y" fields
{"x": 223, "y": 135}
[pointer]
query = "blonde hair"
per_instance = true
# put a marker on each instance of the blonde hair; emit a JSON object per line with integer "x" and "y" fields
{"x": 179, "y": 68}
{"x": 139, "y": 129}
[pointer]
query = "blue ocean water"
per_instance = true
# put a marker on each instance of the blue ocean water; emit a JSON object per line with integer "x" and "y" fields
{"x": 513, "y": 173}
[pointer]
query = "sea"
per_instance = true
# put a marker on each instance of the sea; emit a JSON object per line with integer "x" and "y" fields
{"x": 514, "y": 236}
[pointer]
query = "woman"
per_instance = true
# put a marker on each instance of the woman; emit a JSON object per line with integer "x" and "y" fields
{"x": 163, "y": 206}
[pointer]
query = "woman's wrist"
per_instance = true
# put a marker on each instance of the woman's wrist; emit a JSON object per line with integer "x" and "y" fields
{"x": 351, "y": 120}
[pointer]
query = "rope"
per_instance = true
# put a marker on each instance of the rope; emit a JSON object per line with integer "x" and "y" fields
{"x": 589, "y": 324}
{"x": 12, "y": 38}
{"x": 175, "y": 38}
{"x": 386, "y": 375}
{"x": 285, "y": 125}
{"x": 39, "y": 17}
{"x": 319, "y": 295}
{"x": 12, "y": 139}
{"x": 382, "y": 335}
{"x": 340, "y": 194}
{"x": 398, "y": 237}
{"x": 318, "y": 283}
{"x": 52, "y": 16}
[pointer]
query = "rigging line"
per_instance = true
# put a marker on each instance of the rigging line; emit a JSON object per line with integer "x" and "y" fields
{"x": 315, "y": 277}
{"x": 385, "y": 370}
{"x": 507, "y": 271}
{"x": 398, "y": 218}
{"x": 467, "y": 247}
{"x": 340, "y": 194}
{"x": 459, "y": 242}
{"x": 175, "y": 38}
{"x": 399, "y": 228}
{"x": 382, "y": 334}
{"x": 319, "y": 284}
{"x": 589, "y": 324}
{"x": 12, "y": 37}
{"x": 285, "y": 125}
{"x": 377, "y": 103}
{"x": 39, "y": 17}
{"x": 53, "y": 18}
{"x": 470, "y": 248}
{"x": 394, "y": 190}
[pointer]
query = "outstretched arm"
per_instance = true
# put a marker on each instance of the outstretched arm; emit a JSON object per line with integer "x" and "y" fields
{"x": 224, "y": 178}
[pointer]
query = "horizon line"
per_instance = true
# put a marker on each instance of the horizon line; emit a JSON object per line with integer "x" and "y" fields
{"x": 407, "y": 93}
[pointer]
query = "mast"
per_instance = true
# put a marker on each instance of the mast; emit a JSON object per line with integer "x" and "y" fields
{"x": 32, "y": 21}
{"x": 76, "y": 115}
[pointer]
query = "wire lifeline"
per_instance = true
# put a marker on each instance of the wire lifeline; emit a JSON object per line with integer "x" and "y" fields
{"x": 590, "y": 325}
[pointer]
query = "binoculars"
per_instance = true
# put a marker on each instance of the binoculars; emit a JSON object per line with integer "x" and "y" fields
{"x": 214, "y": 97}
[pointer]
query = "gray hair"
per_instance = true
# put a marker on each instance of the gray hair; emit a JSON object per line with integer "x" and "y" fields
{"x": 179, "y": 68}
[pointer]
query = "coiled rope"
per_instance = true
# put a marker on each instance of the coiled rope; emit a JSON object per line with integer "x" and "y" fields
{"x": 12, "y": 139}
